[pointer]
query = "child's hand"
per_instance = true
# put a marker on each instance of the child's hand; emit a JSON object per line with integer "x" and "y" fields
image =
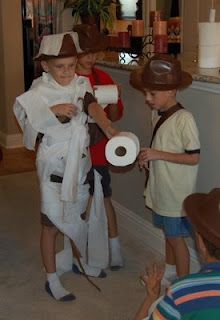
{"x": 64, "y": 109}
{"x": 152, "y": 279}
{"x": 147, "y": 154}
{"x": 142, "y": 161}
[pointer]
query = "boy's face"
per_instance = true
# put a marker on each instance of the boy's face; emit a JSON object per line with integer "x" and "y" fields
{"x": 86, "y": 62}
{"x": 61, "y": 69}
{"x": 160, "y": 100}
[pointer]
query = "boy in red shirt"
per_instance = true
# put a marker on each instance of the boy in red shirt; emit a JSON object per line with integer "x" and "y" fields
{"x": 86, "y": 67}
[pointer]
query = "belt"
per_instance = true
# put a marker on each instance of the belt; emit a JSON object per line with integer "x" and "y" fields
{"x": 55, "y": 178}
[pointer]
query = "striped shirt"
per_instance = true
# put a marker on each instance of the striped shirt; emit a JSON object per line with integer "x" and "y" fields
{"x": 195, "y": 297}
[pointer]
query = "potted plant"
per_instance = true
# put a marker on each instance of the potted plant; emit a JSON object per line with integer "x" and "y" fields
{"x": 91, "y": 11}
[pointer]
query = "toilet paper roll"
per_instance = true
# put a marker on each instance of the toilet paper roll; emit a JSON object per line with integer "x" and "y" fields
{"x": 209, "y": 33}
{"x": 106, "y": 94}
{"x": 209, "y": 56}
{"x": 122, "y": 150}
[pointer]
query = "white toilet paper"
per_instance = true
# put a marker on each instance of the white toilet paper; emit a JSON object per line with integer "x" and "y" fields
{"x": 209, "y": 33}
{"x": 209, "y": 45}
{"x": 106, "y": 94}
{"x": 209, "y": 56}
{"x": 122, "y": 150}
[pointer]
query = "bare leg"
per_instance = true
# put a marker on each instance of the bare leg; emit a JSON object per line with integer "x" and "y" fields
{"x": 170, "y": 258}
{"x": 181, "y": 254}
{"x": 48, "y": 252}
{"x": 116, "y": 260}
{"x": 111, "y": 217}
{"x": 170, "y": 265}
{"x": 48, "y": 245}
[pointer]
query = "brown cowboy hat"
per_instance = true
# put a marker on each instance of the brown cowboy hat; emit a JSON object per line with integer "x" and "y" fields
{"x": 68, "y": 48}
{"x": 90, "y": 39}
{"x": 204, "y": 212}
{"x": 162, "y": 72}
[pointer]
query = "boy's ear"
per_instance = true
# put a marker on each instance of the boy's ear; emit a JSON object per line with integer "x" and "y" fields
{"x": 44, "y": 66}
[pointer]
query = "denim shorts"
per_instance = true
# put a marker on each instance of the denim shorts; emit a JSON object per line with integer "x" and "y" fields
{"x": 172, "y": 226}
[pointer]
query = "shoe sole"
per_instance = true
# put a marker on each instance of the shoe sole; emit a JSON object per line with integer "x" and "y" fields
{"x": 76, "y": 270}
{"x": 68, "y": 297}
{"x": 115, "y": 268}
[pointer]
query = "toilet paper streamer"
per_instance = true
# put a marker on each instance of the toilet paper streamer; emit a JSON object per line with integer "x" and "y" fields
{"x": 122, "y": 149}
{"x": 106, "y": 94}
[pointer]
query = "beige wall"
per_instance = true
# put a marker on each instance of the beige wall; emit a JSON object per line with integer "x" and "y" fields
{"x": 196, "y": 11}
{"x": 11, "y": 65}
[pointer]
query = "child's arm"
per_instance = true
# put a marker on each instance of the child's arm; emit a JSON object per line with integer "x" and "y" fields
{"x": 152, "y": 281}
{"x": 149, "y": 154}
{"x": 64, "y": 109}
{"x": 96, "y": 112}
{"x": 115, "y": 111}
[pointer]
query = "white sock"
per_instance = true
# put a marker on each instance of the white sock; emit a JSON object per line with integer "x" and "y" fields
{"x": 169, "y": 275}
{"x": 170, "y": 270}
{"x": 115, "y": 252}
{"x": 56, "y": 287}
{"x": 90, "y": 271}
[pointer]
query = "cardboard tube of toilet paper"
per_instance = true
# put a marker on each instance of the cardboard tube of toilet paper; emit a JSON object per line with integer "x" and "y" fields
{"x": 212, "y": 15}
{"x": 122, "y": 149}
{"x": 106, "y": 94}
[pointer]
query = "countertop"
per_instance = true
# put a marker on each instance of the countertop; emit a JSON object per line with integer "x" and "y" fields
{"x": 188, "y": 61}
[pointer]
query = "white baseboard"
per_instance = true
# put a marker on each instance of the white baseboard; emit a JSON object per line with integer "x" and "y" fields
{"x": 145, "y": 234}
{"x": 11, "y": 140}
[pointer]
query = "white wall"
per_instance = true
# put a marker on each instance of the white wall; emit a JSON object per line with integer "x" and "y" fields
{"x": 203, "y": 100}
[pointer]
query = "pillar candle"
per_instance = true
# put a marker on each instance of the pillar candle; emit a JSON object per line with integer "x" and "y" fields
{"x": 122, "y": 25}
{"x": 137, "y": 28}
{"x": 160, "y": 27}
{"x": 124, "y": 39}
{"x": 160, "y": 43}
{"x": 155, "y": 16}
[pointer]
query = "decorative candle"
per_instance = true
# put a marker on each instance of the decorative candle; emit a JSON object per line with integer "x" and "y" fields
{"x": 114, "y": 41}
{"x": 212, "y": 15}
{"x": 160, "y": 27}
{"x": 160, "y": 43}
{"x": 155, "y": 16}
{"x": 124, "y": 39}
{"x": 174, "y": 30}
{"x": 137, "y": 28}
{"x": 122, "y": 25}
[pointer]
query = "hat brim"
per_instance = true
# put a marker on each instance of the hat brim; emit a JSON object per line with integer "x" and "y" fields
{"x": 101, "y": 44}
{"x": 201, "y": 219}
{"x": 44, "y": 57}
{"x": 138, "y": 82}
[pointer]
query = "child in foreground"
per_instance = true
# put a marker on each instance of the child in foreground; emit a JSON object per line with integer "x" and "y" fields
{"x": 58, "y": 106}
{"x": 172, "y": 158}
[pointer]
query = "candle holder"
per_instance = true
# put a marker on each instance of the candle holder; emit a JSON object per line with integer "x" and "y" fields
{"x": 143, "y": 50}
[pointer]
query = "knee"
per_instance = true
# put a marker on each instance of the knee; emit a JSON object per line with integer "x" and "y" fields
{"x": 50, "y": 230}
